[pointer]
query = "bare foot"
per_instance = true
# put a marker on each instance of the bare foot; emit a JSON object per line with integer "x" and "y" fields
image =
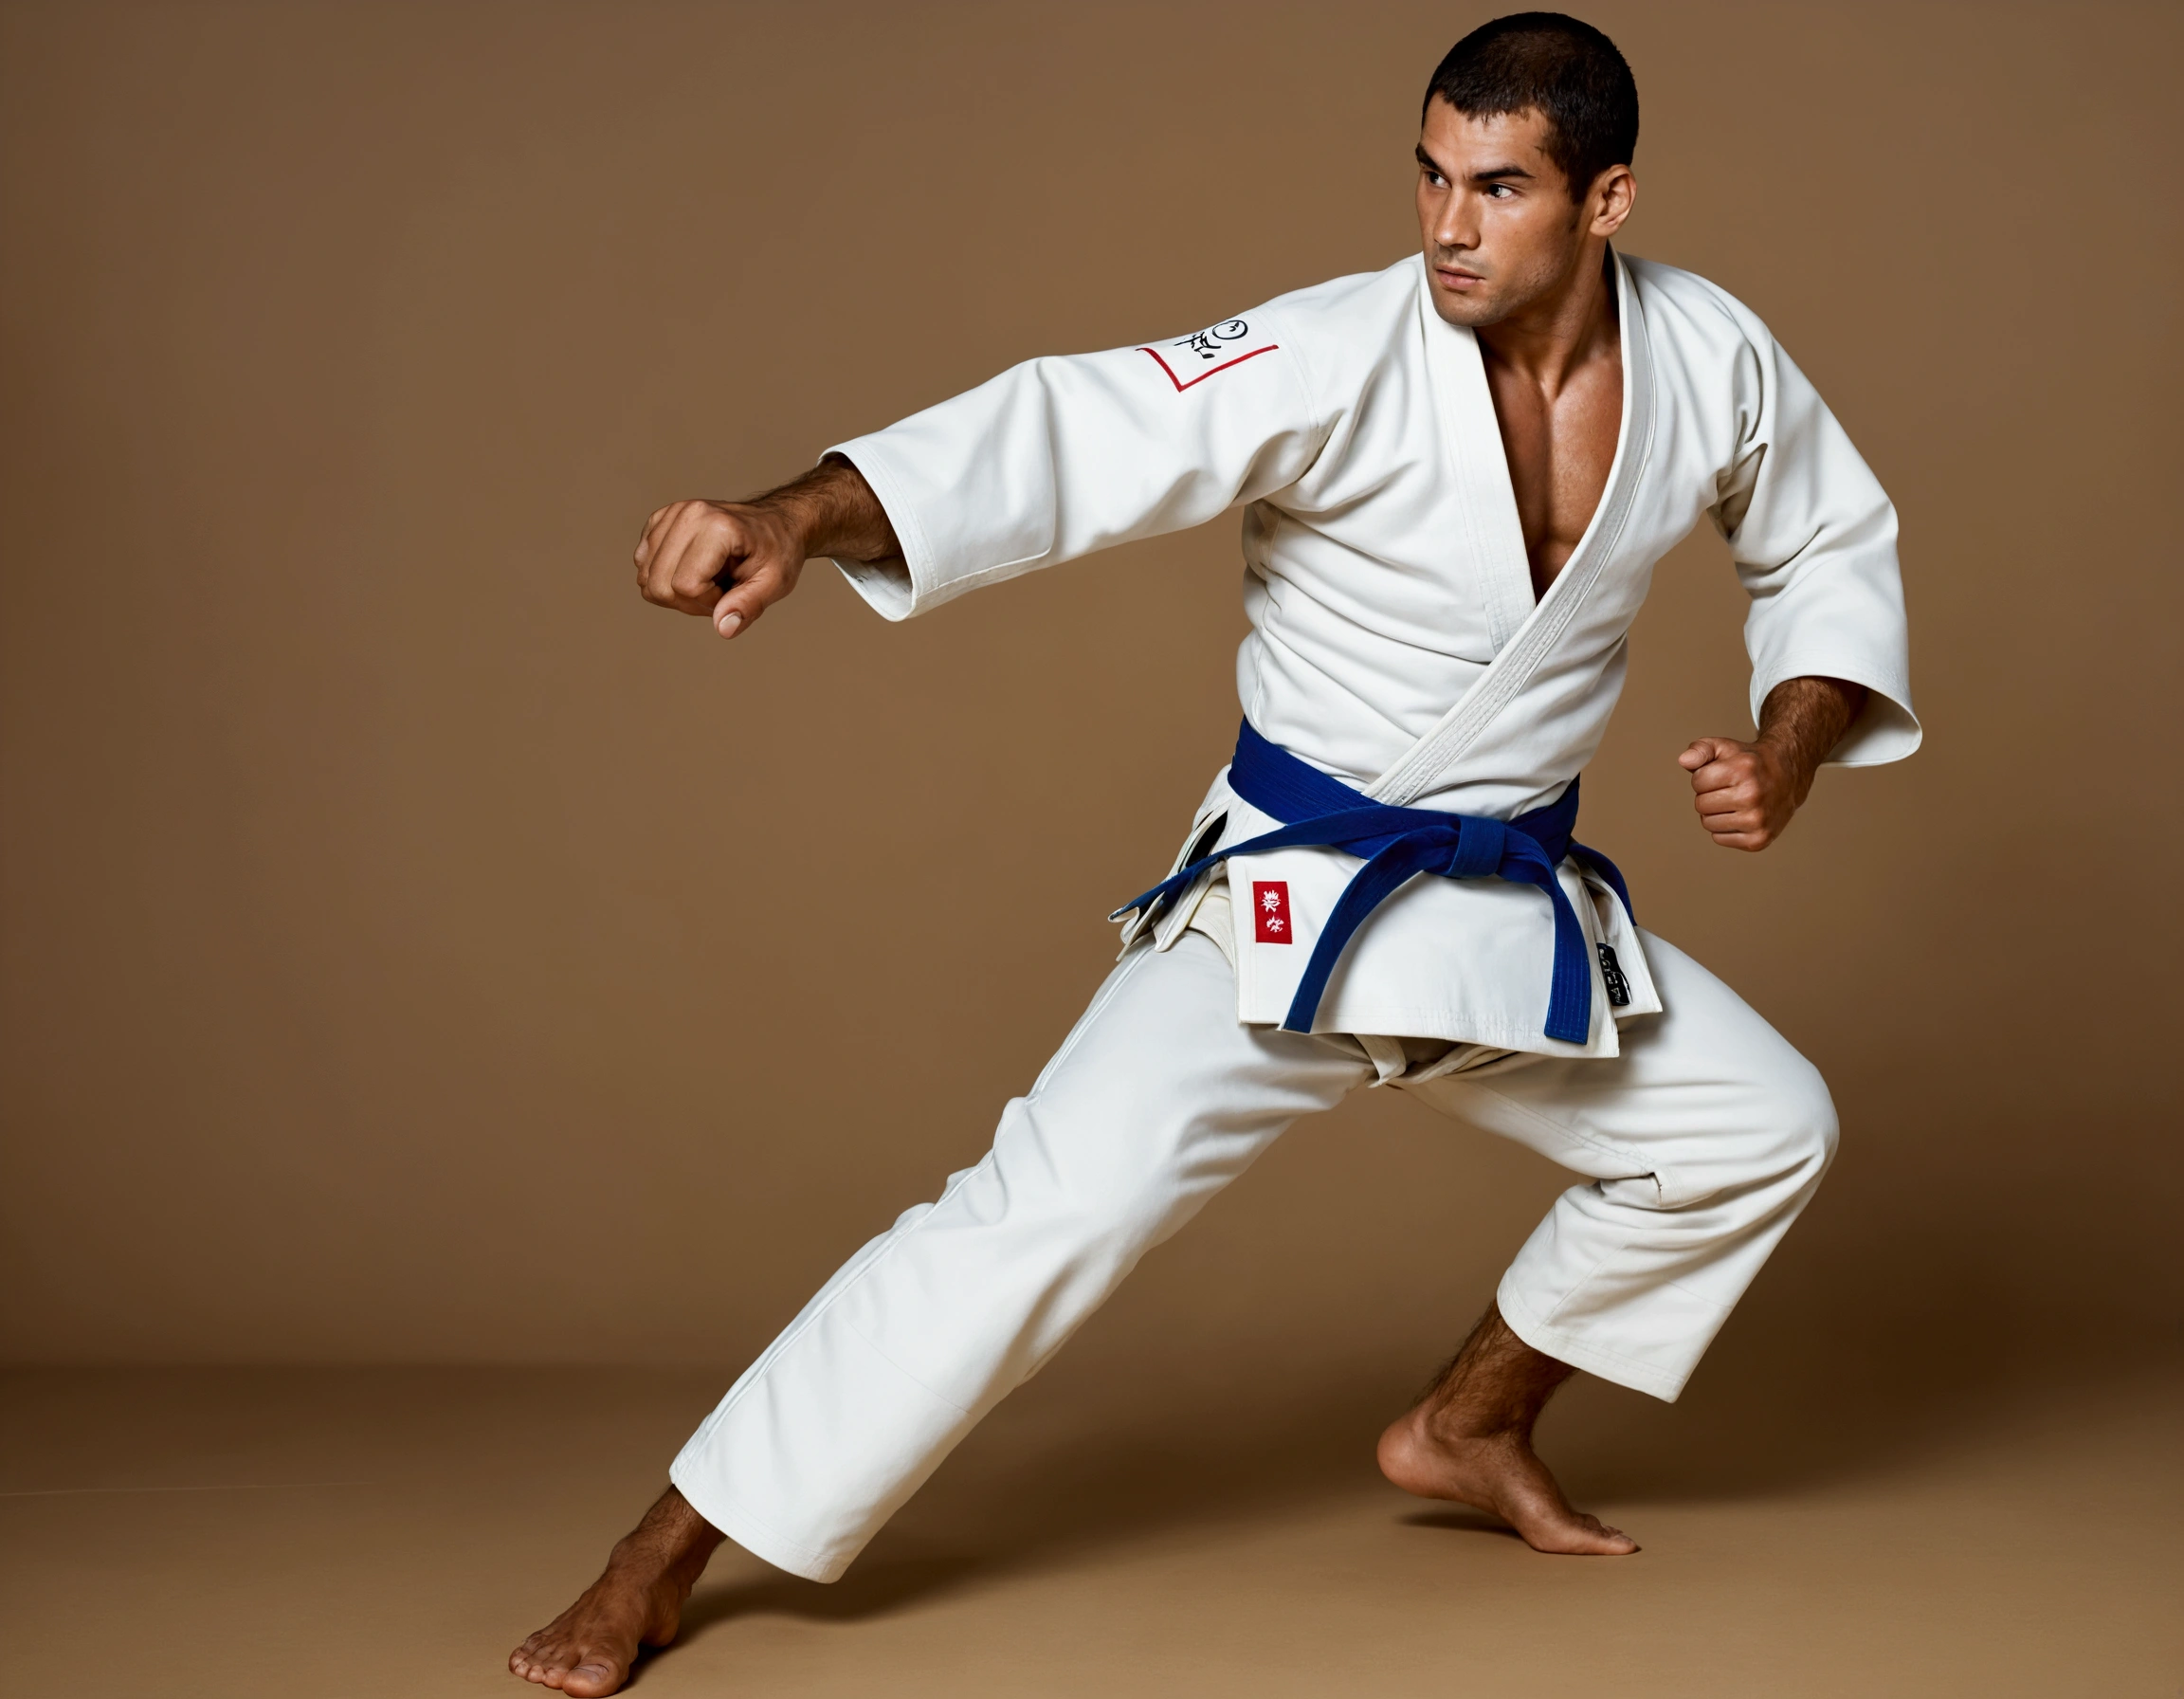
{"x": 588, "y": 1649}
{"x": 1469, "y": 1438}
{"x": 1498, "y": 1473}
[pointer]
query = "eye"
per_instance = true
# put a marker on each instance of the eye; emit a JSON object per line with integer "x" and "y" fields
{"x": 1500, "y": 189}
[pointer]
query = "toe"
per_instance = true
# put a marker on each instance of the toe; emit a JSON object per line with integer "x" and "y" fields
{"x": 529, "y": 1656}
{"x": 594, "y": 1676}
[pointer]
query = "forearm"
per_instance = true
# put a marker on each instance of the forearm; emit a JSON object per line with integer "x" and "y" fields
{"x": 1802, "y": 719}
{"x": 835, "y": 513}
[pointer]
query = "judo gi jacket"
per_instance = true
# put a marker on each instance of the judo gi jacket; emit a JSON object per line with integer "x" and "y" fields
{"x": 1397, "y": 643}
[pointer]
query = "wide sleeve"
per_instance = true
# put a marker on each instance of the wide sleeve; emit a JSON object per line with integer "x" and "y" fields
{"x": 1060, "y": 456}
{"x": 1814, "y": 536}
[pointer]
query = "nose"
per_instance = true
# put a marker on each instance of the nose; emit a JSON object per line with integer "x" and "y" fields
{"x": 1454, "y": 226}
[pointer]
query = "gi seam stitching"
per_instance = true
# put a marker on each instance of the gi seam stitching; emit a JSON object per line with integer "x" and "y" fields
{"x": 1106, "y": 995}
{"x": 1569, "y": 1134}
{"x": 918, "y": 554}
{"x": 1301, "y": 371}
{"x": 1512, "y": 669}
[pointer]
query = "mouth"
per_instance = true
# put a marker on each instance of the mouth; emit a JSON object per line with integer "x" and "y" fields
{"x": 1457, "y": 280}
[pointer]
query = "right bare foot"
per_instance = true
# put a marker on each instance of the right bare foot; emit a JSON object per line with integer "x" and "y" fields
{"x": 588, "y": 1649}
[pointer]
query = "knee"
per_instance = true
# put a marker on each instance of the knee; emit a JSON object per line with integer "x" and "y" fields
{"x": 1801, "y": 1114}
{"x": 1109, "y": 1178}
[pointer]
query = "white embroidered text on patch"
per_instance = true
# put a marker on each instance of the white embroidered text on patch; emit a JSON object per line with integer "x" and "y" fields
{"x": 1270, "y": 911}
{"x": 1195, "y": 358}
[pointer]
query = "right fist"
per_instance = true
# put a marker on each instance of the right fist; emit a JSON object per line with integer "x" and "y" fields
{"x": 726, "y": 560}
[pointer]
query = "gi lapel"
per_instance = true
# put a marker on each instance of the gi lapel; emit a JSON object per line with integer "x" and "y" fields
{"x": 1481, "y": 475}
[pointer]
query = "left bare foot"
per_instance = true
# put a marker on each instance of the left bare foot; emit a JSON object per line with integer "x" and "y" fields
{"x": 588, "y": 1649}
{"x": 1497, "y": 1472}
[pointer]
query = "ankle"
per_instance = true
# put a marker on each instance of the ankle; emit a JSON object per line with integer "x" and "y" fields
{"x": 672, "y": 1536}
{"x": 650, "y": 1555}
{"x": 1461, "y": 1424}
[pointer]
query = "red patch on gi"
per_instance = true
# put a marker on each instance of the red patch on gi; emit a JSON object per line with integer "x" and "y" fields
{"x": 1271, "y": 910}
{"x": 1191, "y": 360}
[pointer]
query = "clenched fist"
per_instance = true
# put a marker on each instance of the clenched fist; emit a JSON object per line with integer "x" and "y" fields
{"x": 1746, "y": 792}
{"x": 728, "y": 560}
{"x": 732, "y": 560}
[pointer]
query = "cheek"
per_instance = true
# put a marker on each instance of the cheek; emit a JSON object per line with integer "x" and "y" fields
{"x": 1537, "y": 245}
{"x": 1530, "y": 235}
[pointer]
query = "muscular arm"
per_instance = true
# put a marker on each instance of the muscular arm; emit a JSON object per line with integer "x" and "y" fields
{"x": 732, "y": 560}
{"x": 1745, "y": 793}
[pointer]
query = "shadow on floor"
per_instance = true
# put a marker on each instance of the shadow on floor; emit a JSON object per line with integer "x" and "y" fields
{"x": 1043, "y": 1486}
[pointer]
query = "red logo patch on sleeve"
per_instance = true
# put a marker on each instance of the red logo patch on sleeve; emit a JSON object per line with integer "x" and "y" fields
{"x": 1271, "y": 910}
{"x": 1191, "y": 360}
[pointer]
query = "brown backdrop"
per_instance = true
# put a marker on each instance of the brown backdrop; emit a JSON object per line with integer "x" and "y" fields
{"x": 417, "y": 948}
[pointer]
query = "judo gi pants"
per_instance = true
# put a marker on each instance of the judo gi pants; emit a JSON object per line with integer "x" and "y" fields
{"x": 1695, "y": 1149}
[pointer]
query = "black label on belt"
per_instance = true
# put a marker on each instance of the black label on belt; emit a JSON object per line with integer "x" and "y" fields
{"x": 1611, "y": 975}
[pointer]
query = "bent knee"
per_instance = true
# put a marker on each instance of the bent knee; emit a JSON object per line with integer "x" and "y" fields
{"x": 1800, "y": 1113}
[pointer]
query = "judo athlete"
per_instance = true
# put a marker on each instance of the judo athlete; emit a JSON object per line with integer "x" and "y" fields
{"x": 1457, "y": 476}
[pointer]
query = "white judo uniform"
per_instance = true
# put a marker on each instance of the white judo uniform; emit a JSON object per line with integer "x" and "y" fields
{"x": 1396, "y": 645}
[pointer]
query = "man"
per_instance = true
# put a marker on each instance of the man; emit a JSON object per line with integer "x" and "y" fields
{"x": 1459, "y": 473}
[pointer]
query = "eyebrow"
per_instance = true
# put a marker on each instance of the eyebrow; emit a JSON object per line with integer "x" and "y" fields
{"x": 1495, "y": 173}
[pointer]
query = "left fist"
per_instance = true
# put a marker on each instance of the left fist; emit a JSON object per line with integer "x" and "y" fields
{"x": 1745, "y": 793}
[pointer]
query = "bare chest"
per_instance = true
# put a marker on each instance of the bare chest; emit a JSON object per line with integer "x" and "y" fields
{"x": 1560, "y": 448}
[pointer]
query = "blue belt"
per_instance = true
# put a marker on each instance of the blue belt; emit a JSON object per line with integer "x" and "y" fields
{"x": 1398, "y": 844}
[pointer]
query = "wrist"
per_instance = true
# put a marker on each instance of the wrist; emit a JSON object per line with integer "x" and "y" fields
{"x": 819, "y": 514}
{"x": 796, "y": 523}
{"x": 1795, "y": 764}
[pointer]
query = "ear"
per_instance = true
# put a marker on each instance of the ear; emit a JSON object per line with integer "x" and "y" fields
{"x": 1614, "y": 192}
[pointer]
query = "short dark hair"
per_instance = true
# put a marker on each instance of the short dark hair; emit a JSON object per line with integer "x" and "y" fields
{"x": 1564, "y": 69}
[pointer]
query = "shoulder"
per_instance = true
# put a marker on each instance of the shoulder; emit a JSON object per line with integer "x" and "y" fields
{"x": 1342, "y": 329}
{"x": 1360, "y": 298}
{"x": 1696, "y": 311}
{"x": 1333, "y": 337}
{"x": 1363, "y": 309}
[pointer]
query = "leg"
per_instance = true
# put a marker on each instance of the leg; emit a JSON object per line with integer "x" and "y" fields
{"x": 1158, "y": 1099}
{"x": 1469, "y": 1438}
{"x": 1702, "y": 1141}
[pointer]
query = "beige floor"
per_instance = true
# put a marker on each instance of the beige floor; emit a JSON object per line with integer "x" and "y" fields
{"x": 244, "y": 1533}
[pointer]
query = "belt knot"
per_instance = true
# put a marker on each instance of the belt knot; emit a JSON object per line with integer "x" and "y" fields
{"x": 1397, "y": 845}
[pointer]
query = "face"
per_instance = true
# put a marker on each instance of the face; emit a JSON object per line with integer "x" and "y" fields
{"x": 1500, "y": 230}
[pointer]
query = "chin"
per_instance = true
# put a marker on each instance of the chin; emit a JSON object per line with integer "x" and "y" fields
{"x": 1471, "y": 311}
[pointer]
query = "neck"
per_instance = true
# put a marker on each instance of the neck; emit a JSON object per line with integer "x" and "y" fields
{"x": 1572, "y": 323}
